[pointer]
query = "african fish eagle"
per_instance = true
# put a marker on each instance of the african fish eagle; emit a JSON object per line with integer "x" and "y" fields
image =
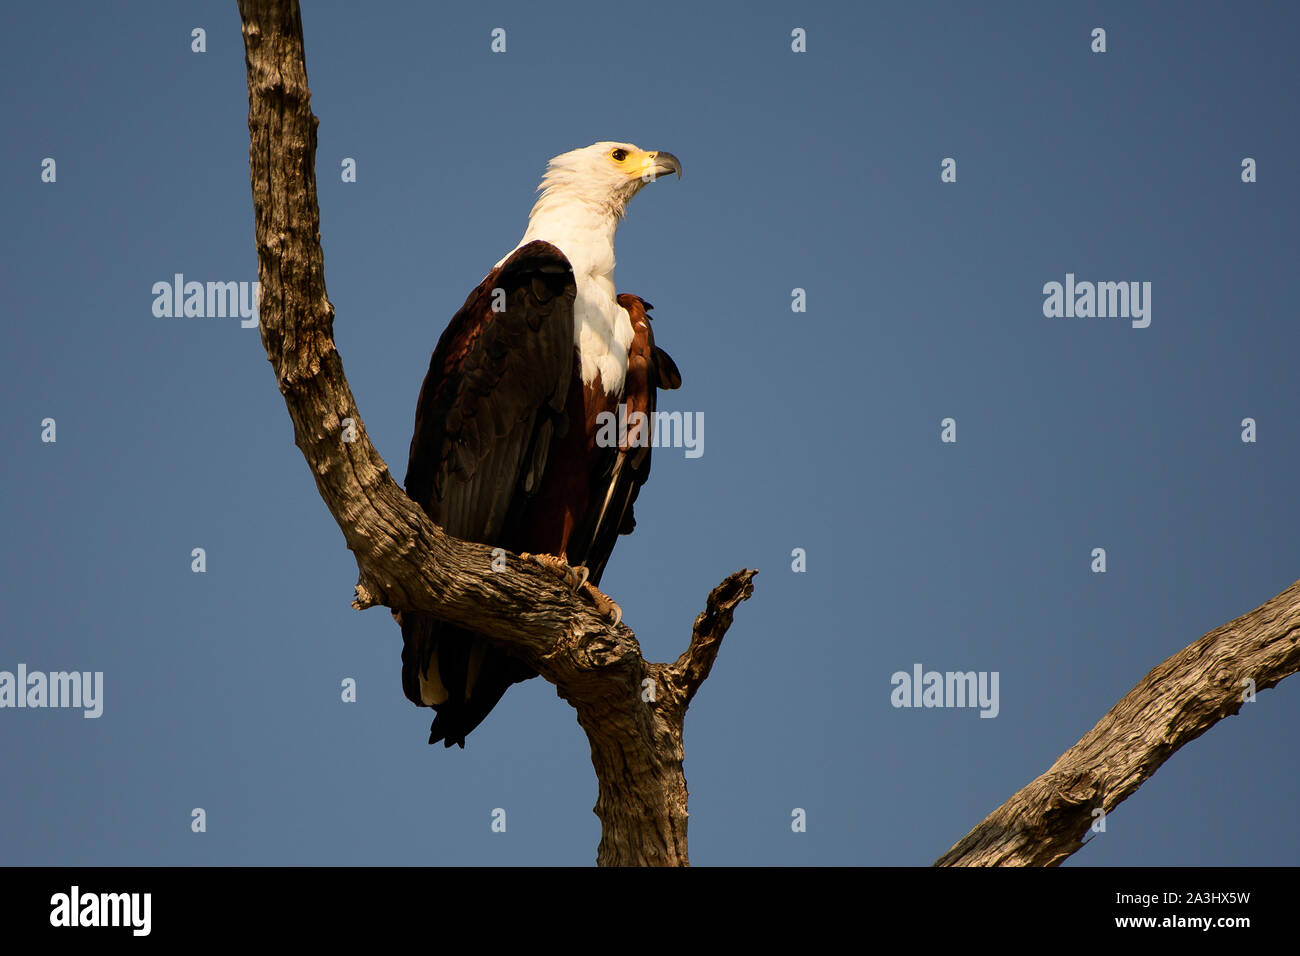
{"x": 505, "y": 447}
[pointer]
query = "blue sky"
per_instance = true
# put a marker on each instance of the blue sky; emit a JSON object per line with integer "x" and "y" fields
{"x": 817, "y": 170}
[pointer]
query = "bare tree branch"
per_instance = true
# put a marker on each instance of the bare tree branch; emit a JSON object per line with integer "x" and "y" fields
{"x": 1182, "y": 698}
{"x": 405, "y": 561}
{"x": 692, "y": 668}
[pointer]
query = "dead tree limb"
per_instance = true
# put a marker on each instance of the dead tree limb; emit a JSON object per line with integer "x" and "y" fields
{"x": 632, "y": 710}
{"x": 1182, "y": 698}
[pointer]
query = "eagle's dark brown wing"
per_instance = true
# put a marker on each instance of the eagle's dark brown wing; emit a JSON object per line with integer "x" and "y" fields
{"x": 619, "y": 472}
{"x": 493, "y": 398}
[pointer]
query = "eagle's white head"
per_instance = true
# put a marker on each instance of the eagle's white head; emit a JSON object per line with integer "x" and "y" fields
{"x": 583, "y": 197}
{"x": 604, "y": 176}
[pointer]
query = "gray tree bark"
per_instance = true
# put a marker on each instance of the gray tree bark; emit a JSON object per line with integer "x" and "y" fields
{"x": 1183, "y": 697}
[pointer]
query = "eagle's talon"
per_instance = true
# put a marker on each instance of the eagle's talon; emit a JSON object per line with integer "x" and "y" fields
{"x": 575, "y": 578}
{"x": 605, "y": 604}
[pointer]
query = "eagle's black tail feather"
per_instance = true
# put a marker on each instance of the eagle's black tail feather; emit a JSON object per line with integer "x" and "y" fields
{"x": 473, "y": 673}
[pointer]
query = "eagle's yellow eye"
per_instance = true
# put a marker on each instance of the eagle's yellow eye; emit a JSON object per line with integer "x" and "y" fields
{"x": 619, "y": 155}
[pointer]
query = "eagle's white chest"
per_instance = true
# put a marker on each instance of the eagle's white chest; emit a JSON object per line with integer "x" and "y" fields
{"x": 602, "y": 331}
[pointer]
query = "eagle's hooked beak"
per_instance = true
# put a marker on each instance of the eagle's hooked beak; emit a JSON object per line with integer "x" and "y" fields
{"x": 658, "y": 163}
